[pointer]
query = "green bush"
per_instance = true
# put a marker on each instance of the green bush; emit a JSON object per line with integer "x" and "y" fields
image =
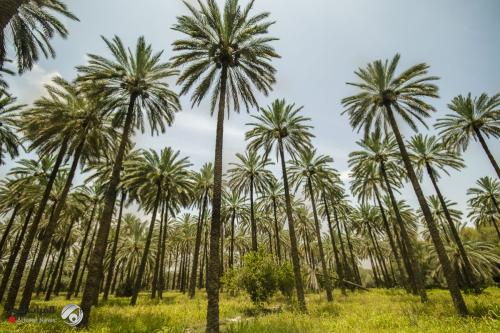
{"x": 230, "y": 281}
{"x": 259, "y": 276}
{"x": 286, "y": 279}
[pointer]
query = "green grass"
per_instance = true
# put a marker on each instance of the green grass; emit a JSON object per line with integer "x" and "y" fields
{"x": 373, "y": 311}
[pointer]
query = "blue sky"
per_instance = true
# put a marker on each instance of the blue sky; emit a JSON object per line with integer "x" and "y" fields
{"x": 321, "y": 43}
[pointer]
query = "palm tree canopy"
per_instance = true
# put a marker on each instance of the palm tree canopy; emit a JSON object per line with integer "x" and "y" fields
{"x": 309, "y": 166}
{"x": 428, "y": 150}
{"x": 131, "y": 76}
{"x": 280, "y": 121}
{"x": 250, "y": 167}
{"x": 30, "y": 25}
{"x": 230, "y": 39}
{"x": 381, "y": 88}
{"x": 163, "y": 172}
{"x": 469, "y": 115}
{"x": 9, "y": 116}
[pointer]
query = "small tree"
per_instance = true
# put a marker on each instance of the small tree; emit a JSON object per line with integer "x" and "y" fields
{"x": 259, "y": 276}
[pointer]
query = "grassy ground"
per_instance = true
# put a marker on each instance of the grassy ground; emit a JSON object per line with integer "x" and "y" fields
{"x": 373, "y": 311}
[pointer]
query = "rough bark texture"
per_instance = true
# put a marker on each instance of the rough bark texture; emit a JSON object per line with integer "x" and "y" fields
{"x": 7, "y": 229}
{"x": 49, "y": 230}
{"x": 213, "y": 260}
{"x": 197, "y": 245}
{"x": 450, "y": 277}
{"x": 253, "y": 224}
{"x": 144, "y": 259}
{"x": 326, "y": 275}
{"x": 95, "y": 271}
{"x": 415, "y": 266}
{"x": 338, "y": 264}
{"x": 13, "y": 254}
{"x": 468, "y": 270}
{"x": 18, "y": 274}
{"x": 74, "y": 275}
{"x": 291, "y": 229}
{"x": 111, "y": 267}
{"x": 277, "y": 231}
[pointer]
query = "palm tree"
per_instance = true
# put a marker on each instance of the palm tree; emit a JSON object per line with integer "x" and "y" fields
{"x": 311, "y": 170}
{"x": 250, "y": 175}
{"x": 135, "y": 83}
{"x": 280, "y": 126}
{"x": 204, "y": 182}
{"x": 32, "y": 24}
{"x": 272, "y": 198}
{"x": 148, "y": 177}
{"x": 91, "y": 133}
{"x": 9, "y": 142}
{"x": 432, "y": 155}
{"x": 382, "y": 94}
{"x": 383, "y": 151}
{"x": 230, "y": 52}
{"x": 484, "y": 201}
{"x": 235, "y": 207}
{"x": 472, "y": 118}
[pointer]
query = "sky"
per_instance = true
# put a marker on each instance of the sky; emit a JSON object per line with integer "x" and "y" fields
{"x": 321, "y": 43}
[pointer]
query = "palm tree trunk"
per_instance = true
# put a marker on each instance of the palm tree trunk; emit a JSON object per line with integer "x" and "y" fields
{"x": 345, "y": 265}
{"x": 450, "y": 277}
{"x": 291, "y": 230}
{"x": 326, "y": 274}
{"x": 378, "y": 256}
{"x": 231, "y": 253}
{"x": 213, "y": 269}
{"x": 8, "y": 227}
{"x": 277, "y": 231}
{"x": 161, "y": 275}
{"x": 354, "y": 264}
{"x": 391, "y": 239}
{"x": 13, "y": 254}
{"x": 253, "y": 225}
{"x": 58, "y": 263}
{"x": 487, "y": 151}
{"x": 221, "y": 258}
{"x": 44, "y": 272}
{"x": 144, "y": 259}
{"x": 49, "y": 229}
{"x": 468, "y": 270}
{"x": 338, "y": 264}
{"x": 415, "y": 266}
{"x": 74, "y": 275}
{"x": 86, "y": 261}
{"x": 96, "y": 261}
{"x": 197, "y": 245}
{"x": 23, "y": 259}
{"x": 374, "y": 269}
{"x": 111, "y": 267}
{"x": 156, "y": 271}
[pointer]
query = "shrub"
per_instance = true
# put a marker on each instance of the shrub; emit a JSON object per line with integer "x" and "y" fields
{"x": 259, "y": 276}
{"x": 230, "y": 281}
{"x": 286, "y": 279}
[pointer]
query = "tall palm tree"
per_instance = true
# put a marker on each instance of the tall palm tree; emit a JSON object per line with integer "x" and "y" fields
{"x": 229, "y": 53}
{"x": 382, "y": 95}
{"x": 91, "y": 133}
{"x": 9, "y": 142}
{"x": 273, "y": 198}
{"x": 282, "y": 127}
{"x": 428, "y": 153}
{"x": 31, "y": 24}
{"x": 383, "y": 151}
{"x": 204, "y": 182}
{"x": 249, "y": 175}
{"x": 476, "y": 118}
{"x": 148, "y": 177}
{"x": 235, "y": 207}
{"x": 308, "y": 170}
{"x": 484, "y": 201}
{"x": 134, "y": 81}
